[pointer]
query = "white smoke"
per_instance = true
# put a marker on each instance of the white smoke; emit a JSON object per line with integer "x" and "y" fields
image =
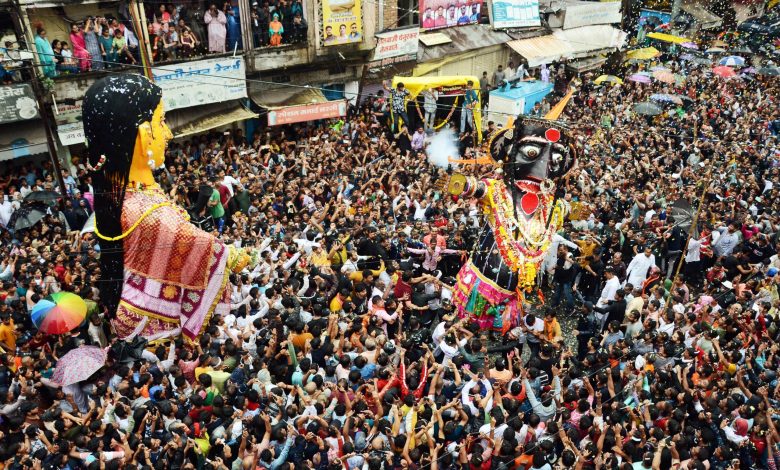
{"x": 443, "y": 146}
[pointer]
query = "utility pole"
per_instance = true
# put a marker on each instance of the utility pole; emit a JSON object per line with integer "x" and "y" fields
{"x": 676, "y": 5}
{"x": 43, "y": 108}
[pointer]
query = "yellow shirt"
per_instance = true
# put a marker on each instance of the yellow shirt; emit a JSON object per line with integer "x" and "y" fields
{"x": 202, "y": 370}
{"x": 319, "y": 259}
{"x": 336, "y": 303}
{"x": 357, "y": 276}
{"x": 8, "y": 336}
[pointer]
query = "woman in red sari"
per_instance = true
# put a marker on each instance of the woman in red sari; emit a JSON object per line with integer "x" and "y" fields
{"x": 80, "y": 52}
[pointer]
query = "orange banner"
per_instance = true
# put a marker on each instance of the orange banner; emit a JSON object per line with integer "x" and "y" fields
{"x": 307, "y": 112}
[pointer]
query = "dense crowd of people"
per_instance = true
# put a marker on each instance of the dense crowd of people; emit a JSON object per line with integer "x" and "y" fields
{"x": 649, "y": 345}
{"x": 175, "y": 32}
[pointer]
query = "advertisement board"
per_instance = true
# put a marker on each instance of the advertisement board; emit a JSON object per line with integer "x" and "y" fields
{"x": 307, "y": 112}
{"x": 437, "y": 14}
{"x": 515, "y": 13}
{"x": 591, "y": 13}
{"x": 201, "y": 82}
{"x": 342, "y": 22}
{"x": 396, "y": 46}
{"x": 17, "y": 103}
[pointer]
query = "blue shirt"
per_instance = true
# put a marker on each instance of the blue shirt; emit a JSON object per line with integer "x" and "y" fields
{"x": 471, "y": 97}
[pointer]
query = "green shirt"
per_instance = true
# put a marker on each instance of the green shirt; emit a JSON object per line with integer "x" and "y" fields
{"x": 217, "y": 211}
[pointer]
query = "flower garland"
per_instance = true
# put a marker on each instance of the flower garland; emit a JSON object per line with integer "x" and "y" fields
{"x": 524, "y": 253}
{"x": 445, "y": 121}
{"x": 134, "y": 226}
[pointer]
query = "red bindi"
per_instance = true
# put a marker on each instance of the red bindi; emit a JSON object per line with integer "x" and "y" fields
{"x": 553, "y": 135}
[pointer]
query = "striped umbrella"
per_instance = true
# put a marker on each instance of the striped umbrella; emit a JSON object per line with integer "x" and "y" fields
{"x": 732, "y": 61}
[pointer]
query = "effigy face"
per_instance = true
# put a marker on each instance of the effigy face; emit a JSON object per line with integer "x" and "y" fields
{"x": 534, "y": 151}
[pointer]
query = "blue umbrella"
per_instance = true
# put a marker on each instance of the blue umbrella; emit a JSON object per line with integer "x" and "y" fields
{"x": 732, "y": 61}
{"x": 665, "y": 97}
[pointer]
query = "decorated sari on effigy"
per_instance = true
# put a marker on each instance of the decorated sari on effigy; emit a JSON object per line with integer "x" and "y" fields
{"x": 522, "y": 245}
{"x": 175, "y": 274}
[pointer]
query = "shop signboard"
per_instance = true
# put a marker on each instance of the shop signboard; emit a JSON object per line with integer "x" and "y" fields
{"x": 70, "y": 127}
{"x": 394, "y": 47}
{"x": 307, "y": 112}
{"x": 17, "y": 103}
{"x": 201, "y": 82}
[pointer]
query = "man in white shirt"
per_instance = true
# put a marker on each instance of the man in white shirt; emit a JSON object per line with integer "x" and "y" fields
{"x": 534, "y": 327}
{"x": 637, "y": 270}
{"x": 610, "y": 287}
{"x": 728, "y": 240}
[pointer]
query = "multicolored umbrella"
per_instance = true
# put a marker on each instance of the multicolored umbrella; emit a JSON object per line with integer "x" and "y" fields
{"x": 640, "y": 78}
{"x": 732, "y": 61}
{"x": 59, "y": 313}
{"x": 78, "y": 364}
{"x": 608, "y": 78}
{"x": 724, "y": 71}
{"x": 664, "y": 76}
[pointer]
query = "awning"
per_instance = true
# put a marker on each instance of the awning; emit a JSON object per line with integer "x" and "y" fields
{"x": 468, "y": 38}
{"x": 540, "y": 50}
{"x": 199, "y": 119}
{"x": 22, "y": 139}
{"x": 588, "y": 40}
{"x": 704, "y": 17}
{"x": 588, "y": 63}
{"x": 569, "y": 44}
{"x": 288, "y": 96}
{"x": 668, "y": 38}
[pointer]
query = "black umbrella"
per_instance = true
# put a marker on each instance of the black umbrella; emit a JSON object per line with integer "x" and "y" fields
{"x": 741, "y": 50}
{"x": 683, "y": 214}
{"x": 25, "y": 217}
{"x": 49, "y": 198}
{"x": 128, "y": 351}
{"x": 769, "y": 71}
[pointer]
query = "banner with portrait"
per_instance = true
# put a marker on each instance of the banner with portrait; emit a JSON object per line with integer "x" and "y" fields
{"x": 342, "y": 22}
{"x": 437, "y": 14}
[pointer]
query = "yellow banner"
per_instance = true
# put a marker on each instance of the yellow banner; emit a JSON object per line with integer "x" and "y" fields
{"x": 342, "y": 22}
